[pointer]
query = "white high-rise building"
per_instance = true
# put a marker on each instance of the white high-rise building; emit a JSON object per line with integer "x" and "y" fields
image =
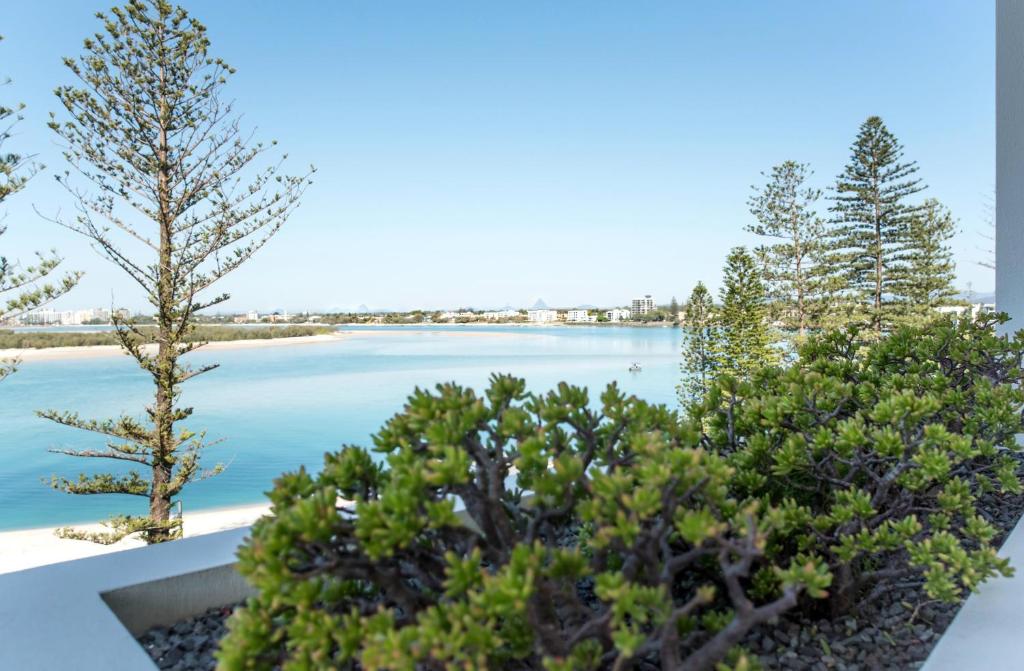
{"x": 41, "y": 317}
{"x": 641, "y": 306}
{"x": 542, "y": 316}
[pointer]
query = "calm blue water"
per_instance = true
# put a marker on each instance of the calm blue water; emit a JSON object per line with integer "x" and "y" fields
{"x": 281, "y": 407}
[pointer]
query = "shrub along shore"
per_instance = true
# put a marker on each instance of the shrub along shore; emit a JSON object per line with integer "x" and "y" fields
{"x": 46, "y": 339}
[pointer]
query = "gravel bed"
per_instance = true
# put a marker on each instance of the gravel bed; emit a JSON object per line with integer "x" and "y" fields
{"x": 188, "y": 645}
{"x": 895, "y": 633}
{"x": 889, "y": 635}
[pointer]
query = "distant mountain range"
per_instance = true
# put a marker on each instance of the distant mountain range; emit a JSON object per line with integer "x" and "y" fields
{"x": 540, "y": 305}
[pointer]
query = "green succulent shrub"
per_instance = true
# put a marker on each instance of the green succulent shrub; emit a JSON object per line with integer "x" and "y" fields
{"x": 514, "y": 531}
{"x": 877, "y": 453}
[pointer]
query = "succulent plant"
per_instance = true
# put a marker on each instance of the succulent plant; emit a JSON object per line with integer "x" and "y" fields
{"x": 876, "y": 453}
{"x": 514, "y": 531}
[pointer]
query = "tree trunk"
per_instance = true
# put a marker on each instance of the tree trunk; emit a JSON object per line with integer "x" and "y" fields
{"x": 841, "y": 599}
{"x": 165, "y": 377}
{"x": 160, "y": 505}
{"x": 801, "y": 310}
{"x": 878, "y": 263}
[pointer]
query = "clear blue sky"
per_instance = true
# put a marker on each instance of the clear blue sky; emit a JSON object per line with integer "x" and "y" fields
{"x": 584, "y": 152}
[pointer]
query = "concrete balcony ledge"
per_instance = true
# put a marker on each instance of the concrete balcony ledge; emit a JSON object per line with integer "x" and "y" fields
{"x": 84, "y": 614}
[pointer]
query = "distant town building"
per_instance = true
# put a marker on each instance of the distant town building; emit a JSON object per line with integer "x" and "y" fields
{"x": 617, "y": 315}
{"x": 580, "y": 316}
{"x": 976, "y": 309}
{"x": 51, "y": 317}
{"x": 542, "y": 316}
{"x": 451, "y": 315}
{"x": 641, "y": 306}
{"x": 501, "y": 314}
{"x": 41, "y": 317}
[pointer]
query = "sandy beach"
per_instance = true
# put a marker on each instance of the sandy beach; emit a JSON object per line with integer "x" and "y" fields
{"x": 98, "y": 351}
{"x": 28, "y": 548}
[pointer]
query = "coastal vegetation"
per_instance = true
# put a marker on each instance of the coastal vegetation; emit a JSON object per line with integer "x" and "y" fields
{"x": 878, "y": 451}
{"x": 869, "y": 232}
{"x": 745, "y": 344}
{"x": 619, "y": 534}
{"x": 178, "y": 180}
{"x": 45, "y": 339}
{"x": 699, "y": 365}
{"x": 733, "y": 338}
{"x": 23, "y": 287}
{"x": 930, "y": 266}
{"x": 791, "y": 263}
{"x": 591, "y": 537}
{"x": 880, "y": 261}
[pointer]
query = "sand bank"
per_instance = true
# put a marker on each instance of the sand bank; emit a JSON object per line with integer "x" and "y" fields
{"x": 36, "y": 547}
{"x": 97, "y": 351}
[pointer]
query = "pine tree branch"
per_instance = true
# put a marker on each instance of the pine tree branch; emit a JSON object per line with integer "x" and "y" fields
{"x": 121, "y": 527}
{"x": 109, "y": 454}
{"x": 126, "y": 428}
{"x": 105, "y": 483}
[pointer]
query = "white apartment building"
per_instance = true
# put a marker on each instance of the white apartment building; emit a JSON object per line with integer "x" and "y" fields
{"x": 542, "y": 316}
{"x": 641, "y": 306}
{"x": 51, "y": 317}
{"x": 501, "y": 314}
{"x": 580, "y": 317}
{"x": 617, "y": 315}
{"x": 451, "y": 315}
{"x": 41, "y": 317}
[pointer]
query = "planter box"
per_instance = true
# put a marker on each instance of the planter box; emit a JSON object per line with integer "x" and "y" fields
{"x": 85, "y": 614}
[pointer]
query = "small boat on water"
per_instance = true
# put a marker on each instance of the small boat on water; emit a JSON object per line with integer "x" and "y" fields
{"x": 635, "y": 367}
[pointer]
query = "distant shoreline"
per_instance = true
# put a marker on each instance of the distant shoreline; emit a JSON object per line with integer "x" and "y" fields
{"x": 99, "y": 351}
